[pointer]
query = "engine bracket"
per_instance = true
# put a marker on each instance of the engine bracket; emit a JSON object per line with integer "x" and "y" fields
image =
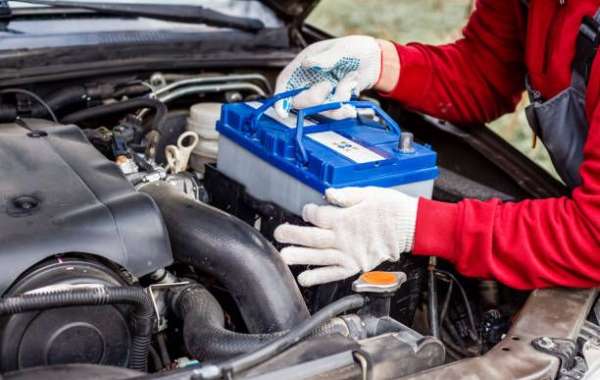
{"x": 566, "y": 351}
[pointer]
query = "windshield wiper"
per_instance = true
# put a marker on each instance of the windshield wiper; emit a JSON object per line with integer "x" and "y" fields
{"x": 169, "y": 12}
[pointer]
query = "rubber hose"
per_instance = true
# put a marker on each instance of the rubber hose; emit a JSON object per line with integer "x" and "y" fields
{"x": 236, "y": 254}
{"x": 115, "y": 108}
{"x": 143, "y": 316}
{"x": 60, "y": 99}
{"x": 296, "y": 334}
{"x": 8, "y": 112}
{"x": 205, "y": 336}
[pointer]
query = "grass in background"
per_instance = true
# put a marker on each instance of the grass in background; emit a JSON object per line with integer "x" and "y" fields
{"x": 427, "y": 21}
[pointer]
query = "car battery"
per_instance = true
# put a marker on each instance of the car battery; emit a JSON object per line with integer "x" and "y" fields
{"x": 292, "y": 161}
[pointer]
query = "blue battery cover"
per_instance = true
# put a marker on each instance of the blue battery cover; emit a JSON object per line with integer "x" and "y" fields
{"x": 324, "y": 153}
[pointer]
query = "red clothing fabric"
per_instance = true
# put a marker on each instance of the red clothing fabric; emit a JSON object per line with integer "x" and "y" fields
{"x": 528, "y": 244}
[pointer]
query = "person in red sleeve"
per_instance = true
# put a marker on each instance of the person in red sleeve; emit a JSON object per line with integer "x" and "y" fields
{"x": 546, "y": 46}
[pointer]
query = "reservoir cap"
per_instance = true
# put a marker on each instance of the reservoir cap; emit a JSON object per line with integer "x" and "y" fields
{"x": 379, "y": 282}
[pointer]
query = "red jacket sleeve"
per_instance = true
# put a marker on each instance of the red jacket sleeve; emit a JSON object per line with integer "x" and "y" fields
{"x": 475, "y": 79}
{"x": 529, "y": 244}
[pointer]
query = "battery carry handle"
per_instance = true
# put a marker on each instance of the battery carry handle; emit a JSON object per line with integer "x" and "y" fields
{"x": 303, "y": 113}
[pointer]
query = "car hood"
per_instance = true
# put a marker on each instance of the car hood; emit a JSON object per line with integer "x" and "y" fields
{"x": 292, "y": 10}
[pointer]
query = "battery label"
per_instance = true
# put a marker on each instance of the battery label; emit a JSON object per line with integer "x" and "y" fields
{"x": 290, "y": 122}
{"x": 346, "y": 147}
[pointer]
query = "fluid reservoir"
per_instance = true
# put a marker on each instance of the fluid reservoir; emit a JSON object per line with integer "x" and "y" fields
{"x": 203, "y": 120}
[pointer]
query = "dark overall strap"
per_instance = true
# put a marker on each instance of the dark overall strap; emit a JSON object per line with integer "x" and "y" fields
{"x": 561, "y": 121}
{"x": 588, "y": 41}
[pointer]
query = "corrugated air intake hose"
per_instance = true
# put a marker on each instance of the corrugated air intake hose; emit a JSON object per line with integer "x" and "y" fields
{"x": 143, "y": 315}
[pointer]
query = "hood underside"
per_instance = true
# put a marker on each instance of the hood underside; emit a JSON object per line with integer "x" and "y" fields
{"x": 292, "y": 10}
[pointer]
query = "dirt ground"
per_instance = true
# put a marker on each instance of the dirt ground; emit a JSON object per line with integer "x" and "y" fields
{"x": 428, "y": 21}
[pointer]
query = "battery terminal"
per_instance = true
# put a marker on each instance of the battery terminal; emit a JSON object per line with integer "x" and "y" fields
{"x": 407, "y": 143}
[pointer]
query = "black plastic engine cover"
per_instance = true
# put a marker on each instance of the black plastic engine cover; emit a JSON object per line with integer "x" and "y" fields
{"x": 59, "y": 195}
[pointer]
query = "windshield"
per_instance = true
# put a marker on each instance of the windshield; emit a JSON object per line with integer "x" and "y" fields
{"x": 239, "y": 8}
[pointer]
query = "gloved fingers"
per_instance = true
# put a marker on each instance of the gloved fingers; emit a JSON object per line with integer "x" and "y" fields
{"x": 345, "y": 112}
{"x": 345, "y": 87}
{"x": 320, "y": 216}
{"x": 284, "y": 83}
{"x": 283, "y": 107}
{"x": 306, "y": 236}
{"x": 325, "y": 59}
{"x": 317, "y": 94}
{"x": 324, "y": 275}
{"x": 310, "y": 256}
{"x": 284, "y": 77}
{"x": 343, "y": 93}
{"x": 346, "y": 197}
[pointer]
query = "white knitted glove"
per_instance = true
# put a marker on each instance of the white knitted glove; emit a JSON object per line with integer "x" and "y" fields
{"x": 333, "y": 70}
{"x": 367, "y": 226}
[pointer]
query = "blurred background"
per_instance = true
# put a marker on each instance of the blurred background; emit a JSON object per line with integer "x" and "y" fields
{"x": 427, "y": 21}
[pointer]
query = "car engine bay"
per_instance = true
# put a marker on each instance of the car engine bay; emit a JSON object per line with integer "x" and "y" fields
{"x": 124, "y": 246}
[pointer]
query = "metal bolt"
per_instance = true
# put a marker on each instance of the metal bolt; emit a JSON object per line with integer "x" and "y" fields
{"x": 546, "y": 343}
{"x": 233, "y": 97}
{"x": 406, "y": 143}
{"x": 25, "y": 202}
{"x": 35, "y": 134}
{"x": 158, "y": 80}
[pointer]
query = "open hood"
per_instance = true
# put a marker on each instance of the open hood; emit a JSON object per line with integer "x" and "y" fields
{"x": 292, "y": 10}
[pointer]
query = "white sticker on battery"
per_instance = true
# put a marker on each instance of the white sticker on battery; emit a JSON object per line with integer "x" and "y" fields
{"x": 346, "y": 147}
{"x": 290, "y": 122}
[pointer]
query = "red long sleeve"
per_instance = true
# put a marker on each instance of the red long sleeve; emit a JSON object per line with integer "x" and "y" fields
{"x": 476, "y": 79}
{"x": 529, "y": 244}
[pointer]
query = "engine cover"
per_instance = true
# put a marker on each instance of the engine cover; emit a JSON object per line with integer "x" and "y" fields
{"x": 59, "y": 195}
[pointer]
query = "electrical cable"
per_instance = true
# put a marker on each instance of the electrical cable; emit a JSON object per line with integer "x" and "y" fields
{"x": 457, "y": 348}
{"x": 34, "y": 96}
{"x": 446, "y": 303}
{"x": 470, "y": 314}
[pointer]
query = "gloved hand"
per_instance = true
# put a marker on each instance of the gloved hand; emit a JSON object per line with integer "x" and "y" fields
{"x": 333, "y": 70}
{"x": 363, "y": 228}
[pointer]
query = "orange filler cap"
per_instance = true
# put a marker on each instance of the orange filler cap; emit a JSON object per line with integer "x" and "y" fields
{"x": 379, "y": 282}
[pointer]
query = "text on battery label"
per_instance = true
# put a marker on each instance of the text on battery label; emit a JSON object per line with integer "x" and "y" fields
{"x": 290, "y": 122}
{"x": 346, "y": 147}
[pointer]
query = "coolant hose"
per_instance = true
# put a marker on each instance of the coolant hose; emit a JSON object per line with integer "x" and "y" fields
{"x": 237, "y": 255}
{"x": 115, "y": 108}
{"x": 61, "y": 99}
{"x": 204, "y": 333}
{"x": 279, "y": 345}
{"x": 143, "y": 315}
{"x": 8, "y": 112}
